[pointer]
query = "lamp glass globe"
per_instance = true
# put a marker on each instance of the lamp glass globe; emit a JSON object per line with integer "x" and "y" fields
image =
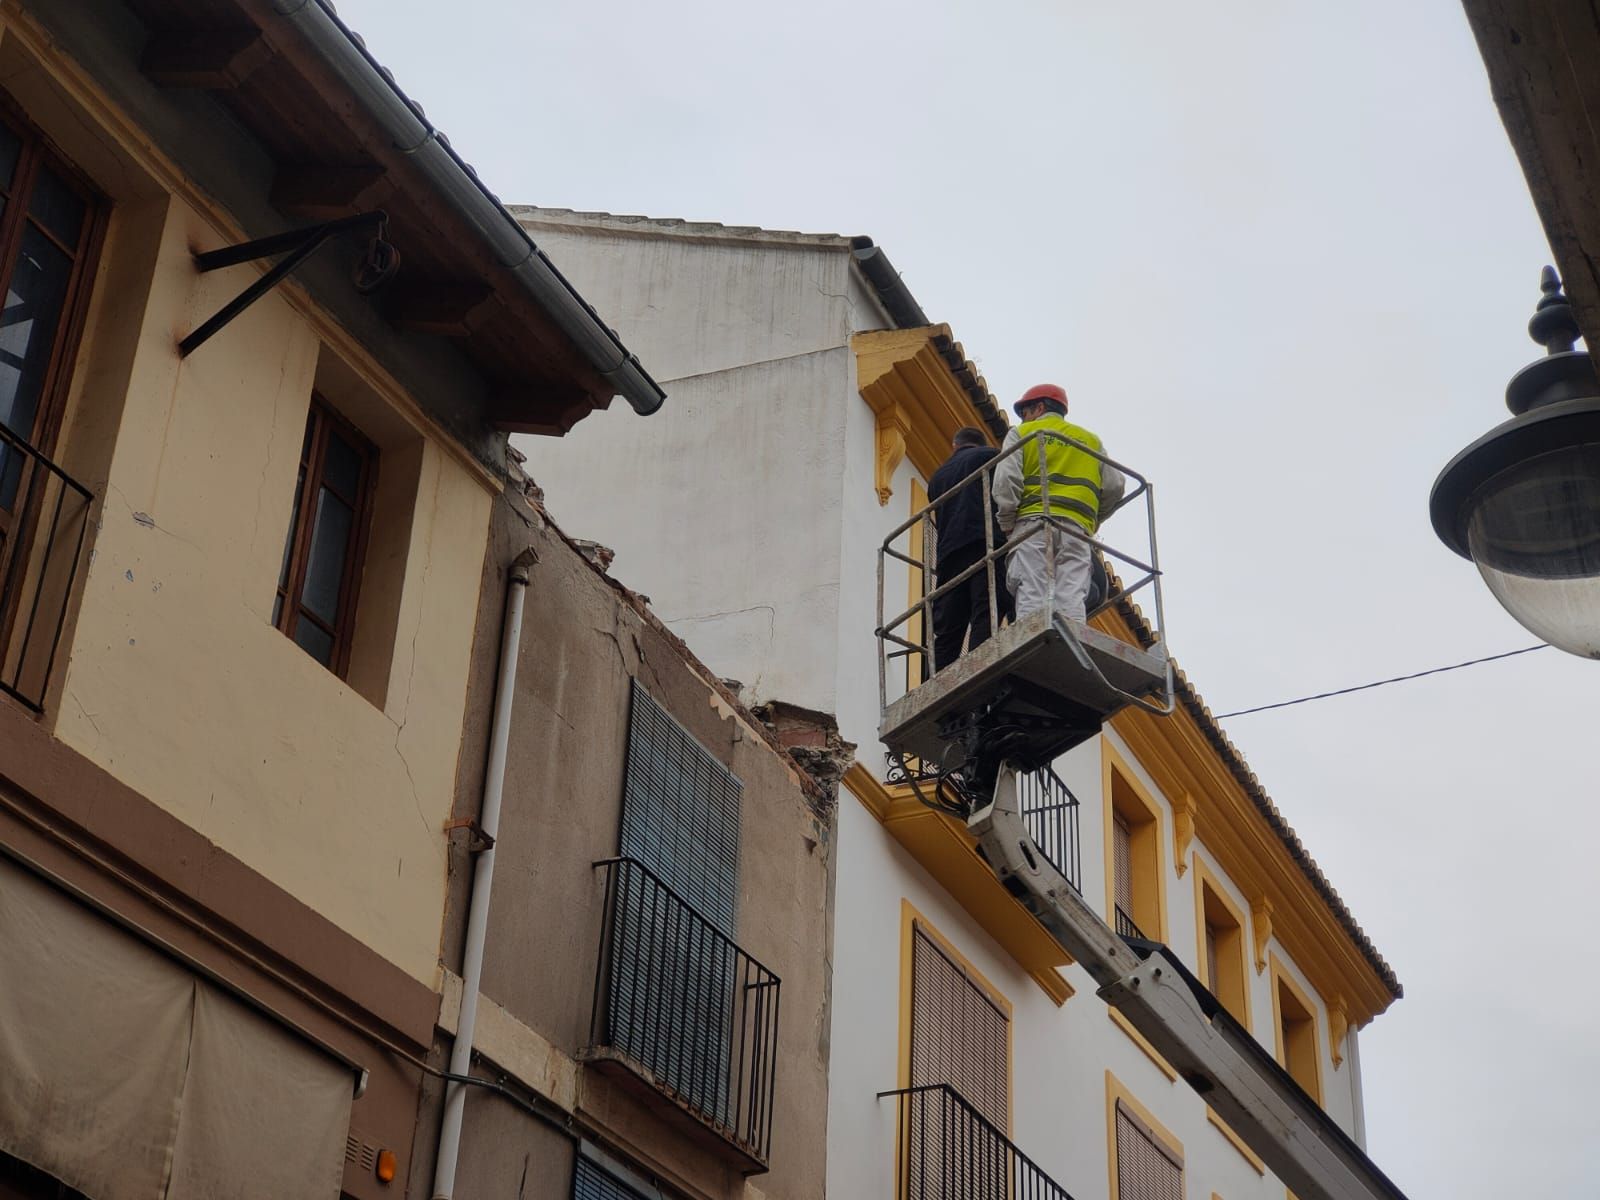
{"x": 1534, "y": 532}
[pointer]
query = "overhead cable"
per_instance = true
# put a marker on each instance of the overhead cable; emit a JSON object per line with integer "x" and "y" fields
{"x": 1472, "y": 662}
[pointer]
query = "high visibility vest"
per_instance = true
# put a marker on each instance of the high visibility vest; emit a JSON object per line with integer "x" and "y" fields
{"x": 1074, "y": 474}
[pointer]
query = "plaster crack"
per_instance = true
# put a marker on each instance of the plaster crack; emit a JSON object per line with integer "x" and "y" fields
{"x": 89, "y": 717}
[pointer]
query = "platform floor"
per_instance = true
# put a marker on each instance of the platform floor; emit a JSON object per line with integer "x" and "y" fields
{"x": 1036, "y": 657}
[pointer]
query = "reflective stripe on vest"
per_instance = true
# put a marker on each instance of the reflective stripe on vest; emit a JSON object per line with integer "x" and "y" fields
{"x": 1074, "y": 473}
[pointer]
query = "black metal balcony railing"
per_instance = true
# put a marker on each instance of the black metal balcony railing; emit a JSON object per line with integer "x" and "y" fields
{"x": 44, "y": 520}
{"x": 1125, "y": 926}
{"x": 678, "y": 999}
{"x": 1049, "y": 810}
{"x": 946, "y": 1150}
{"x": 1050, "y": 814}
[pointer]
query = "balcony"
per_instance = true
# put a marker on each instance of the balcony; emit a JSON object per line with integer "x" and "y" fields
{"x": 1126, "y": 928}
{"x": 946, "y": 1150}
{"x": 684, "y": 1013}
{"x": 44, "y": 521}
{"x": 939, "y": 841}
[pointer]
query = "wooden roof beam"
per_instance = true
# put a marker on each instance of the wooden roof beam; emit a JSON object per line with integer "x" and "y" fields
{"x": 214, "y": 59}
{"x": 321, "y": 192}
{"x": 452, "y": 310}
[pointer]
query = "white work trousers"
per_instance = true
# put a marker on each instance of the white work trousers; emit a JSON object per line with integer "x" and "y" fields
{"x": 1028, "y": 571}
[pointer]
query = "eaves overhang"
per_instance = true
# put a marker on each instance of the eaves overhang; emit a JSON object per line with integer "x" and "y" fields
{"x": 921, "y": 389}
{"x": 1543, "y": 63}
{"x": 1199, "y": 768}
{"x": 345, "y": 139}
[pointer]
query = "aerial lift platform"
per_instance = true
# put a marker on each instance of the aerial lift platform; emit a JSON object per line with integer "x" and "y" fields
{"x": 962, "y": 732}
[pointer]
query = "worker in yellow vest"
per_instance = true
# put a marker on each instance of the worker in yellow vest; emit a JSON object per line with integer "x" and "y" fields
{"x": 1082, "y": 490}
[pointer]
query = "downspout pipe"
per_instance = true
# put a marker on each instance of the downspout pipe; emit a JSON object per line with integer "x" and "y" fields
{"x": 430, "y": 152}
{"x": 494, "y": 779}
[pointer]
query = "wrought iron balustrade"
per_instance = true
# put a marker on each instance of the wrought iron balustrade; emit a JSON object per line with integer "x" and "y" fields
{"x": 1049, "y": 812}
{"x": 1048, "y": 807}
{"x": 946, "y": 1150}
{"x": 685, "y": 1007}
{"x": 44, "y": 521}
{"x": 1126, "y": 927}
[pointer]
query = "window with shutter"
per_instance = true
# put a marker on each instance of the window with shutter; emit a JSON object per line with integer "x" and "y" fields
{"x": 1147, "y": 1168}
{"x": 959, "y": 1035}
{"x": 1135, "y": 866}
{"x": 672, "y": 997}
{"x": 589, "y": 1182}
{"x": 680, "y": 813}
{"x": 1122, "y": 863}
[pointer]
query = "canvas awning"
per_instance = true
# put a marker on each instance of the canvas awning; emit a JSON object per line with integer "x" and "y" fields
{"x": 128, "y": 1077}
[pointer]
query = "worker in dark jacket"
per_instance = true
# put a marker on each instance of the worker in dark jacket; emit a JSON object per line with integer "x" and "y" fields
{"x": 959, "y": 523}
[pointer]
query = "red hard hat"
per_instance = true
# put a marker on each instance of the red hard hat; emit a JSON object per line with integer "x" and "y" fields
{"x": 1042, "y": 391}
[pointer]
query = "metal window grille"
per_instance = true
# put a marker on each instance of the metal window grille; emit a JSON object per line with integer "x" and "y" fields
{"x": 1146, "y": 1168}
{"x": 680, "y": 813}
{"x": 589, "y": 1182}
{"x": 676, "y": 994}
{"x": 947, "y": 1150}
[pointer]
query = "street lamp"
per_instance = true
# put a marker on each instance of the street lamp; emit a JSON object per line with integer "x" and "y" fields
{"x": 1523, "y": 501}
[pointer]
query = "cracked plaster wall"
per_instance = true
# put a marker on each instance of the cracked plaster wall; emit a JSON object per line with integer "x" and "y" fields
{"x": 582, "y": 644}
{"x": 176, "y": 681}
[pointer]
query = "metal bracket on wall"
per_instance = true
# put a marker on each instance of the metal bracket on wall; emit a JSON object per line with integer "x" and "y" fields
{"x": 477, "y": 839}
{"x": 375, "y": 269}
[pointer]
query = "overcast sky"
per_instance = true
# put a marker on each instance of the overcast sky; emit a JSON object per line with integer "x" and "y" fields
{"x": 1282, "y": 257}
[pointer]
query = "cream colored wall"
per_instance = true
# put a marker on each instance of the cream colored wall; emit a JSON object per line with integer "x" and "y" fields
{"x": 177, "y": 682}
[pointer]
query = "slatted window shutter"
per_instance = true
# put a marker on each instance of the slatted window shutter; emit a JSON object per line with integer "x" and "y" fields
{"x": 1122, "y": 863}
{"x": 680, "y": 813}
{"x": 959, "y": 1036}
{"x": 589, "y": 1182}
{"x": 1146, "y": 1168}
{"x": 672, "y": 994}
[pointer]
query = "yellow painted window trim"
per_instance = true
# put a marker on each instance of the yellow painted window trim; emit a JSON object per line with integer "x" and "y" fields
{"x": 1116, "y": 1090}
{"x": 1233, "y": 1139}
{"x": 1204, "y": 879}
{"x": 1278, "y": 973}
{"x": 1113, "y": 764}
{"x": 911, "y": 920}
{"x": 1139, "y": 1040}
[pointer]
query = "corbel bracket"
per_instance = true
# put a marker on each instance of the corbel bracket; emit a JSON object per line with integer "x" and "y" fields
{"x": 296, "y": 245}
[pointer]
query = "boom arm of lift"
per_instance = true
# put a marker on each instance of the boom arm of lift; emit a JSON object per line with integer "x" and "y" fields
{"x": 1219, "y": 1058}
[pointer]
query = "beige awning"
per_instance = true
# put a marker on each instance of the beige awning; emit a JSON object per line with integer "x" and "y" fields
{"x": 127, "y": 1077}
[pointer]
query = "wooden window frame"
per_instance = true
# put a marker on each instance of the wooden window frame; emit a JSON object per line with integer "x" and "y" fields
{"x": 290, "y": 611}
{"x": 18, "y": 526}
{"x": 38, "y": 149}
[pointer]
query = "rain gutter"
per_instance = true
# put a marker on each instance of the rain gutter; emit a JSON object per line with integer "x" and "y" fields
{"x": 431, "y": 154}
{"x": 893, "y": 293}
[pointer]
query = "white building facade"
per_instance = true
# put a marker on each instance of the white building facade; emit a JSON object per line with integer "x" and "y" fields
{"x": 811, "y": 401}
